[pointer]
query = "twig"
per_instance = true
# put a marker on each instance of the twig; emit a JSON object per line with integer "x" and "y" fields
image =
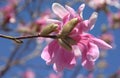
{"x": 11, "y": 38}
{"x": 18, "y": 39}
{"x": 9, "y": 62}
{"x": 35, "y": 36}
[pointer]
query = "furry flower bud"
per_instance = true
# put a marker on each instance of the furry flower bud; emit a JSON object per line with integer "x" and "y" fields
{"x": 65, "y": 44}
{"x": 48, "y": 29}
{"x": 68, "y": 27}
{"x": 70, "y": 40}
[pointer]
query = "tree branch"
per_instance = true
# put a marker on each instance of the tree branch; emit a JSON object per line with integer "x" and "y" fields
{"x": 18, "y": 39}
{"x": 9, "y": 62}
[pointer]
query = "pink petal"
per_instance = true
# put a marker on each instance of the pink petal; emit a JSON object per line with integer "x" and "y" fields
{"x": 59, "y": 10}
{"x": 66, "y": 18}
{"x": 102, "y": 44}
{"x": 93, "y": 52}
{"x": 80, "y": 10}
{"x": 57, "y": 67}
{"x": 57, "y": 55}
{"x": 53, "y": 21}
{"x": 92, "y": 20}
{"x": 89, "y": 65}
{"x": 63, "y": 59}
{"x": 71, "y": 11}
{"x": 48, "y": 52}
{"x": 84, "y": 26}
{"x": 76, "y": 50}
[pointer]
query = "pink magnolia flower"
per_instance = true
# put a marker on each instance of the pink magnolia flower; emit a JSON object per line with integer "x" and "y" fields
{"x": 53, "y": 75}
{"x": 29, "y": 74}
{"x": 8, "y": 13}
{"x": 113, "y": 19}
{"x": 89, "y": 48}
{"x": 86, "y": 44}
{"x": 102, "y": 3}
{"x": 14, "y": 2}
{"x": 107, "y": 37}
{"x": 96, "y": 4}
{"x": 90, "y": 75}
{"x": 42, "y": 19}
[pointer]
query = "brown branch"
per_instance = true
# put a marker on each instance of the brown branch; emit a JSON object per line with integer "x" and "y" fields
{"x": 18, "y": 39}
{"x": 11, "y": 38}
{"x": 35, "y": 36}
{"x": 9, "y": 62}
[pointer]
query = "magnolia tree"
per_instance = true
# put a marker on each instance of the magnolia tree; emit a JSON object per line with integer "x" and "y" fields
{"x": 51, "y": 39}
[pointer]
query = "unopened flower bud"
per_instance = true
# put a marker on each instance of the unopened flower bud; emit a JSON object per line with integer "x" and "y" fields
{"x": 48, "y": 29}
{"x": 70, "y": 40}
{"x": 65, "y": 44}
{"x": 68, "y": 27}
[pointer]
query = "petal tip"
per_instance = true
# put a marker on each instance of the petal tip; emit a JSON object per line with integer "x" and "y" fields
{"x": 82, "y": 6}
{"x": 54, "y": 4}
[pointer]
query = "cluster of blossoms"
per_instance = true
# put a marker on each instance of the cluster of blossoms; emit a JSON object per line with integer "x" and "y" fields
{"x": 114, "y": 19}
{"x": 8, "y": 13}
{"x": 28, "y": 74}
{"x": 101, "y": 4}
{"x": 73, "y": 40}
{"x": 35, "y": 26}
{"x": 54, "y": 75}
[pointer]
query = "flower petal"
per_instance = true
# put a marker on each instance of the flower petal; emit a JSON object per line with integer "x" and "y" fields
{"x": 102, "y": 44}
{"x": 71, "y": 10}
{"x": 80, "y": 10}
{"x": 89, "y": 65}
{"x": 57, "y": 67}
{"x": 93, "y": 52}
{"x": 92, "y": 20}
{"x": 76, "y": 50}
{"x": 59, "y": 10}
{"x": 48, "y": 52}
{"x": 53, "y": 21}
{"x": 63, "y": 59}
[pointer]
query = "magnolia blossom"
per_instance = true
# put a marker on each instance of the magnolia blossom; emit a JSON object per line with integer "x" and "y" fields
{"x": 113, "y": 19}
{"x": 43, "y": 17}
{"x": 8, "y": 16}
{"x": 102, "y": 3}
{"x": 9, "y": 13}
{"x": 89, "y": 75}
{"x": 53, "y": 75}
{"x": 14, "y": 2}
{"x": 86, "y": 44}
{"x": 36, "y": 27}
{"x": 29, "y": 74}
{"x": 107, "y": 37}
{"x": 96, "y": 4}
